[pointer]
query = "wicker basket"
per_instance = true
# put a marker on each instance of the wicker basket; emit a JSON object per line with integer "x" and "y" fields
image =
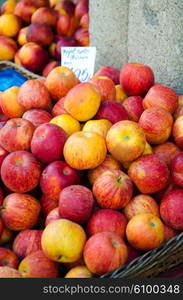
{"x": 29, "y": 75}
{"x": 154, "y": 262}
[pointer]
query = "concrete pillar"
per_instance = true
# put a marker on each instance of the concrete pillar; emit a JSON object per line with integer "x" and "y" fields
{"x": 108, "y": 31}
{"x": 155, "y": 37}
{"x": 146, "y": 31}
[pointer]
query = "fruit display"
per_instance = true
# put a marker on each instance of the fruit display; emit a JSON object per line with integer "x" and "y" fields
{"x": 91, "y": 172}
{"x": 32, "y": 33}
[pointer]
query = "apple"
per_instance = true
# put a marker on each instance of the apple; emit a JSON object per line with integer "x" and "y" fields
{"x": 163, "y": 96}
{"x": 7, "y": 272}
{"x": 33, "y": 94}
{"x": 32, "y": 57}
{"x": 112, "y": 111}
{"x": 171, "y": 209}
{"x": 52, "y": 216}
{"x": 145, "y": 232}
{"x": 108, "y": 163}
{"x": 27, "y": 242}
{"x": 177, "y": 132}
{"x": 170, "y": 232}
{"x": 47, "y": 142}
{"x": 136, "y": 79}
{"x": 82, "y": 37}
{"x": 110, "y": 72}
{"x": 134, "y": 108}
{"x": 56, "y": 176}
{"x": 59, "y": 81}
{"x": 66, "y": 5}
{"x": 3, "y": 154}
{"x": 44, "y": 15}
{"x": 37, "y": 265}
{"x": 49, "y": 67}
{"x": 79, "y": 272}
{"x": 22, "y": 39}
{"x": 40, "y": 34}
{"x": 105, "y": 252}
{"x": 94, "y": 150}
{"x": 37, "y": 116}
{"x": 141, "y": 204}
{"x": 107, "y": 220}
{"x": 16, "y": 134}
{"x": 125, "y": 141}
{"x": 105, "y": 86}
{"x": 76, "y": 203}
{"x": 149, "y": 173}
{"x": 8, "y": 258}
{"x": 113, "y": 189}
{"x": 82, "y": 101}
{"x": 82, "y": 8}
{"x": 9, "y": 103}
{"x": 166, "y": 151}
{"x": 20, "y": 171}
{"x": 156, "y": 123}
{"x": 10, "y": 24}
{"x": 20, "y": 211}
{"x": 63, "y": 241}
{"x": 98, "y": 126}
{"x": 177, "y": 169}
{"x": 48, "y": 203}
{"x": 24, "y": 10}
{"x": 8, "y": 48}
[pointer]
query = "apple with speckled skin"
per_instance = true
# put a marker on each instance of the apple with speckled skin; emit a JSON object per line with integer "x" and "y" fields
{"x": 145, "y": 171}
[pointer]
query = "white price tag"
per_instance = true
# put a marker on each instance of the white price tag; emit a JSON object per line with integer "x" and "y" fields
{"x": 81, "y": 60}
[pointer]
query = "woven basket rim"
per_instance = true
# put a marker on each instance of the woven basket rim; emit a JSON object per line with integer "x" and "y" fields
{"x": 28, "y": 74}
{"x": 147, "y": 260}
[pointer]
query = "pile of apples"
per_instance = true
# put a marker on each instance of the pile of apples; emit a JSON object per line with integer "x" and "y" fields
{"x": 91, "y": 172}
{"x": 32, "y": 32}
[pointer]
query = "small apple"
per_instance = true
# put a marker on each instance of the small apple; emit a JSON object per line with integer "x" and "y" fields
{"x": 8, "y": 258}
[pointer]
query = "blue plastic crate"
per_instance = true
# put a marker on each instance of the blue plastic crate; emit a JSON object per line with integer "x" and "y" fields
{"x": 9, "y": 78}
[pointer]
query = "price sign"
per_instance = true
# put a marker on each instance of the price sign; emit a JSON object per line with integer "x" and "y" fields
{"x": 81, "y": 60}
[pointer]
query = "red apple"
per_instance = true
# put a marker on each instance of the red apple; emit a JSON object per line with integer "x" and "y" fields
{"x": 45, "y": 15}
{"x": 113, "y": 189}
{"x": 177, "y": 131}
{"x": 81, "y": 8}
{"x": 49, "y": 67}
{"x": 177, "y": 169}
{"x": 3, "y": 154}
{"x": 64, "y": 41}
{"x": 149, "y": 173}
{"x": 166, "y": 151}
{"x": 47, "y": 142}
{"x": 107, "y": 220}
{"x": 156, "y": 123}
{"x": 66, "y": 5}
{"x": 8, "y": 258}
{"x": 27, "y": 242}
{"x": 134, "y": 108}
{"x": 37, "y": 265}
{"x": 170, "y": 232}
{"x": 162, "y": 96}
{"x": 112, "y": 111}
{"x": 48, "y": 203}
{"x": 40, "y": 34}
{"x": 76, "y": 203}
{"x": 110, "y": 72}
{"x": 171, "y": 209}
{"x": 37, "y": 116}
{"x": 20, "y": 211}
{"x": 52, "y": 216}
{"x": 25, "y": 10}
{"x": 66, "y": 25}
{"x": 105, "y": 252}
{"x": 136, "y": 79}
{"x": 56, "y": 176}
{"x": 20, "y": 171}
{"x": 16, "y": 134}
